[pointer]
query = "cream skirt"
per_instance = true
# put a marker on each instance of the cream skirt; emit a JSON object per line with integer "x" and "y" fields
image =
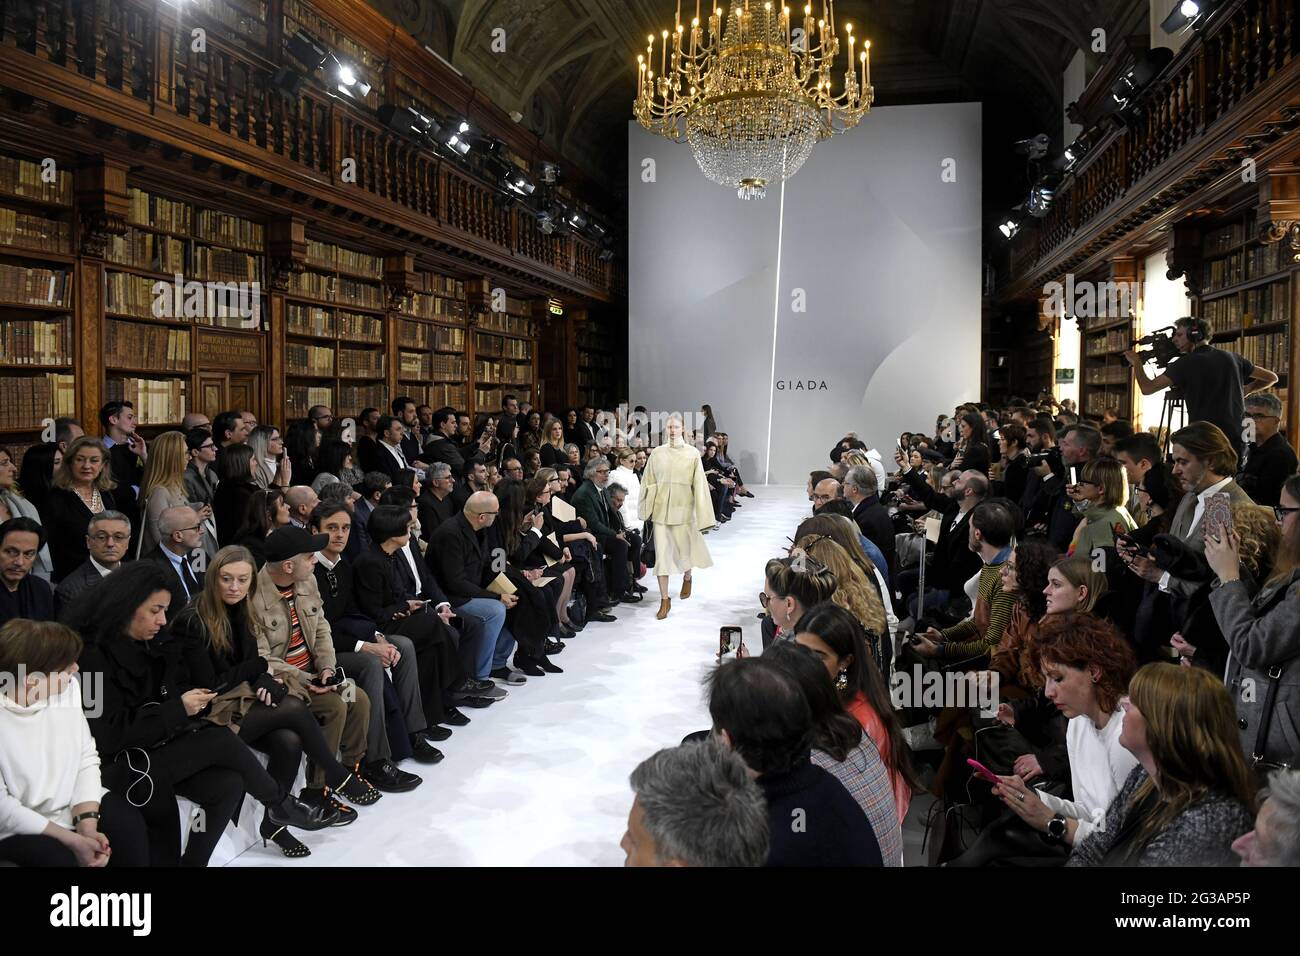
{"x": 679, "y": 548}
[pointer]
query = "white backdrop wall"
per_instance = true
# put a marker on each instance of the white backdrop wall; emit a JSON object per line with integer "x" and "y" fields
{"x": 882, "y": 254}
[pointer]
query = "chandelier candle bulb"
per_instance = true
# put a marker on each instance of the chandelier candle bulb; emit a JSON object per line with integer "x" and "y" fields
{"x": 866, "y": 64}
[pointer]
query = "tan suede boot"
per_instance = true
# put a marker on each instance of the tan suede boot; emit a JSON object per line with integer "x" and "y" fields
{"x": 664, "y": 605}
{"x": 686, "y": 589}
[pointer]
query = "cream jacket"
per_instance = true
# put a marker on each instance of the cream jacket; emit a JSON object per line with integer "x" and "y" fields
{"x": 674, "y": 490}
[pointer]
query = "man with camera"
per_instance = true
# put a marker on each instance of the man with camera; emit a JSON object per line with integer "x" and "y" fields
{"x": 1212, "y": 382}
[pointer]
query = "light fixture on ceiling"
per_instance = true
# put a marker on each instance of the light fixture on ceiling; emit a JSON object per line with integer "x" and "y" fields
{"x": 458, "y": 137}
{"x": 1035, "y": 147}
{"x": 1188, "y": 13}
{"x": 1009, "y": 227}
{"x": 751, "y": 102}
{"x": 550, "y": 173}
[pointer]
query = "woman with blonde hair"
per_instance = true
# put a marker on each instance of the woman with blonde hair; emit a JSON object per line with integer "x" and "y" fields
{"x": 1074, "y": 585}
{"x": 845, "y": 533}
{"x": 1100, "y": 494}
{"x": 853, "y": 591}
{"x": 1191, "y": 794}
{"x": 273, "y": 466}
{"x": 675, "y": 496}
{"x": 162, "y": 487}
{"x": 82, "y": 487}
{"x": 552, "y": 445}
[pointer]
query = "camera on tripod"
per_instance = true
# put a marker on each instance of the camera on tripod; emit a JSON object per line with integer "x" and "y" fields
{"x": 1162, "y": 347}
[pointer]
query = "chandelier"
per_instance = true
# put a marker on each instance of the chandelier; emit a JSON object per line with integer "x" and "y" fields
{"x": 750, "y": 95}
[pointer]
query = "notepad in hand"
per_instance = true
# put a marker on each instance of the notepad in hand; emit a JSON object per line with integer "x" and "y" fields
{"x": 932, "y": 528}
{"x": 542, "y": 582}
{"x": 502, "y": 585}
{"x": 562, "y": 510}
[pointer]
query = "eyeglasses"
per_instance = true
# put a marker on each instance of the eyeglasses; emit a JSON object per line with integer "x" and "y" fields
{"x": 102, "y": 536}
{"x": 1280, "y": 512}
{"x": 87, "y": 461}
{"x": 191, "y": 528}
{"x": 1258, "y": 416}
{"x": 206, "y": 446}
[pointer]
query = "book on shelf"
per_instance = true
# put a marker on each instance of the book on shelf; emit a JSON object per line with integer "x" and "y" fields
{"x": 128, "y": 345}
{"x": 27, "y": 400}
{"x": 326, "y": 255}
{"x": 225, "y": 229}
{"x": 1223, "y": 315}
{"x": 36, "y": 341}
{"x": 357, "y": 397}
{"x": 314, "y": 285}
{"x": 1114, "y": 340}
{"x": 448, "y": 340}
{"x": 1224, "y": 272}
{"x": 1271, "y": 350}
{"x": 158, "y": 212}
{"x": 436, "y": 307}
{"x": 1221, "y": 240}
{"x": 1266, "y": 304}
{"x": 214, "y": 264}
{"x": 156, "y": 401}
{"x": 31, "y": 231}
{"x": 361, "y": 363}
{"x": 358, "y": 293}
{"x": 449, "y": 367}
{"x": 28, "y": 180}
{"x": 414, "y": 335}
{"x": 355, "y": 327}
{"x": 447, "y": 287}
{"x": 311, "y": 320}
{"x": 415, "y": 366}
{"x": 21, "y": 285}
{"x": 147, "y": 250}
{"x": 1266, "y": 260}
{"x": 299, "y": 398}
{"x": 502, "y": 322}
{"x": 313, "y": 360}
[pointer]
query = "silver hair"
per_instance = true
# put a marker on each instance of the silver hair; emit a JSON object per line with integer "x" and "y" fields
{"x": 106, "y": 515}
{"x": 439, "y": 469}
{"x": 334, "y": 492}
{"x": 1284, "y": 791}
{"x": 570, "y": 447}
{"x": 863, "y": 478}
{"x": 701, "y": 807}
{"x": 589, "y": 471}
{"x": 1265, "y": 400}
{"x": 614, "y": 488}
{"x": 168, "y": 525}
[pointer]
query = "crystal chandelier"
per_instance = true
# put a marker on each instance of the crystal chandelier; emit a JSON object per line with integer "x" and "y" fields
{"x": 749, "y": 96}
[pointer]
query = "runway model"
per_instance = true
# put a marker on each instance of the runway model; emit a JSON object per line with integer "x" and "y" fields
{"x": 675, "y": 496}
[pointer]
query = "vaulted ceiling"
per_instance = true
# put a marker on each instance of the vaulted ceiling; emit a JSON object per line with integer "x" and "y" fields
{"x": 568, "y": 65}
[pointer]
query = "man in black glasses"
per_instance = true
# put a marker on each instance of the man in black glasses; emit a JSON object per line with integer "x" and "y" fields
{"x": 1269, "y": 458}
{"x": 180, "y": 545}
{"x": 107, "y": 539}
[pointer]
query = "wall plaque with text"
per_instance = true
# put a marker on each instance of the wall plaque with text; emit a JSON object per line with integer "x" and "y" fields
{"x": 218, "y": 350}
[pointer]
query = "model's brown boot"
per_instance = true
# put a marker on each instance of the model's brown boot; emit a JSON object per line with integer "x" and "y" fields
{"x": 664, "y": 605}
{"x": 686, "y": 589}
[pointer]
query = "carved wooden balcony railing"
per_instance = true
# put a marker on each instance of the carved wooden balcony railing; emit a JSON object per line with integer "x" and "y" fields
{"x": 1213, "y": 76}
{"x": 134, "y": 48}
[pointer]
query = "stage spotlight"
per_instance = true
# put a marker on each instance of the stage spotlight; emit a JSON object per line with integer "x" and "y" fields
{"x": 1148, "y": 66}
{"x": 1189, "y": 13}
{"x": 289, "y": 81}
{"x": 577, "y": 220}
{"x": 458, "y": 137}
{"x": 1009, "y": 228}
{"x": 349, "y": 82}
{"x": 404, "y": 119}
{"x": 1035, "y": 147}
{"x": 520, "y": 183}
{"x": 606, "y": 254}
{"x": 546, "y": 222}
{"x": 550, "y": 173}
{"x": 304, "y": 48}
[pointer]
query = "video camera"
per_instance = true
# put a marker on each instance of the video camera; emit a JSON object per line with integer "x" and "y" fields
{"x": 1162, "y": 347}
{"x": 1052, "y": 456}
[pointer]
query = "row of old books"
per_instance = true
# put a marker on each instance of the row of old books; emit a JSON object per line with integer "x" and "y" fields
{"x": 19, "y": 177}
{"x": 360, "y": 328}
{"x": 422, "y": 366}
{"x": 503, "y": 373}
{"x": 329, "y": 256}
{"x": 147, "y": 250}
{"x": 497, "y": 347}
{"x": 315, "y": 360}
{"x": 31, "y": 231}
{"x": 129, "y": 345}
{"x": 36, "y": 342}
{"x": 1267, "y": 304}
{"x": 361, "y": 363}
{"x": 310, "y": 320}
{"x": 1271, "y": 350}
{"x": 500, "y": 322}
{"x": 27, "y": 400}
{"x": 299, "y": 398}
{"x": 156, "y": 401}
{"x": 225, "y": 229}
{"x": 436, "y": 307}
{"x": 358, "y": 397}
{"x": 21, "y": 285}
{"x": 159, "y": 212}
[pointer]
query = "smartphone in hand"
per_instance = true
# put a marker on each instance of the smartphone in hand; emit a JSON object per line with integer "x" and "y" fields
{"x": 1218, "y": 514}
{"x": 729, "y": 638}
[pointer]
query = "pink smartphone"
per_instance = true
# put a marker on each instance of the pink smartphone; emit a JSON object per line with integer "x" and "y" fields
{"x": 981, "y": 771}
{"x": 1218, "y": 513}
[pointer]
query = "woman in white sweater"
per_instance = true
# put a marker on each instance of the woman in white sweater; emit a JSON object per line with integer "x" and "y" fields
{"x": 53, "y": 809}
{"x": 1087, "y": 665}
{"x": 625, "y": 476}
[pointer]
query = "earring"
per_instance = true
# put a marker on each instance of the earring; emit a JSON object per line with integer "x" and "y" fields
{"x": 842, "y": 681}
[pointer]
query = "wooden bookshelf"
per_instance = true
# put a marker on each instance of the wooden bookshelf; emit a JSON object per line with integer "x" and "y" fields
{"x": 433, "y": 365}
{"x": 599, "y": 365}
{"x": 1105, "y": 379}
{"x": 37, "y": 298}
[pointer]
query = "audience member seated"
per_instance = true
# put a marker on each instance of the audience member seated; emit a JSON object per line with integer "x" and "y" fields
{"x": 791, "y": 586}
{"x": 834, "y": 636}
{"x": 23, "y": 594}
{"x": 107, "y": 540}
{"x": 288, "y": 619}
{"x": 1275, "y": 841}
{"x": 413, "y": 638}
{"x": 1191, "y": 795}
{"x": 336, "y": 465}
{"x": 591, "y": 504}
{"x": 826, "y": 490}
{"x": 182, "y": 536}
{"x": 13, "y": 504}
{"x": 760, "y": 712}
{"x": 1269, "y": 460}
{"x": 1263, "y": 634}
{"x": 872, "y": 517}
{"x": 235, "y": 464}
{"x": 152, "y": 743}
{"x": 54, "y": 811}
{"x": 36, "y": 476}
{"x": 1085, "y": 667}
{"x": 434, "y": 503}
{"x": 221, "y": 654}
{"x": 972, "y": 452}
{"x": 82, "y": 487}
{"x": 695, "y": 805}
{"x": 841, "y": 746}
{"x": 840, "y": 508}
{"x": 1024, "y": 577}
{"x": 267, "y": 510}
{"x": 302, "y": 450}
{"x": 578, "y": 548}
{"x": 617, "y": 497}
{"x": 854, "y": 590}
{"x": 274, "y": 469}
{"x": 625, "y": 475}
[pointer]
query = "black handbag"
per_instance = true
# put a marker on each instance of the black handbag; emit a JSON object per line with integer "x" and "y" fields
{"x": 1261, "y": 766}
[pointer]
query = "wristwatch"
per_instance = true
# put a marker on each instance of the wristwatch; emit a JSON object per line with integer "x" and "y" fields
{"x": 1056, "y": 829}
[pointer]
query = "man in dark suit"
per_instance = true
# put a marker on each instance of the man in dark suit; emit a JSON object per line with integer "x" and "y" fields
{"x": 127, "y": 453}
{"x": 1080, "y": 444}
{"x": 391, "y": 458}
{"x": 22, "y": 594}
{"x": 474, "y": 478}
{"x": 590, "y": 503}
{"x": 107, "y": 538}
{"x": 460, "y": 563}
{"x": 953, "y": 562}
{"x": 435, "y": 502}
{"x": 404, "y": 410}
{"x": 368, "y": 439}
{"x": 871, "y": 517}
{"x": 181, "y": 538}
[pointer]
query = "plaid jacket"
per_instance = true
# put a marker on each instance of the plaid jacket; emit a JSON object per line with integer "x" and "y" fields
{"x": 865, "y": 777}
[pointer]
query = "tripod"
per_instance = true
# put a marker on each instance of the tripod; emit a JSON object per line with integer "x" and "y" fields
{"x": 1173, "y": 404}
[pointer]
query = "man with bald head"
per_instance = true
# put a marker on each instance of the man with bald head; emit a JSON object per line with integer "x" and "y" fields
{"x": 180, "y": 554}
{"x": 461, "y": 562}
{"x": 302, "y": 501}
{"x": 824, "y": 491}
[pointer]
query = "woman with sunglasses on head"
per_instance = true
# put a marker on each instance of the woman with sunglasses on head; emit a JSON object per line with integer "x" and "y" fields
{"x": 791, "y": 586}
{"x": 1191, "y": 794}
{"x": 1100, "y": 495}
{"x": 220, "y": 652}
{"x": 835, "y": 636}
{"x": 854, "y": 591}
{"x": 1263, "y": 635}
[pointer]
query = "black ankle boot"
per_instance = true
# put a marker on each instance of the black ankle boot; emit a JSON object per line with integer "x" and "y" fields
{"x": 292, "y": 812}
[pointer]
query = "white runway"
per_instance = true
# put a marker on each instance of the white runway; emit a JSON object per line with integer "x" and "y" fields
{"x": 540, "y": 779}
